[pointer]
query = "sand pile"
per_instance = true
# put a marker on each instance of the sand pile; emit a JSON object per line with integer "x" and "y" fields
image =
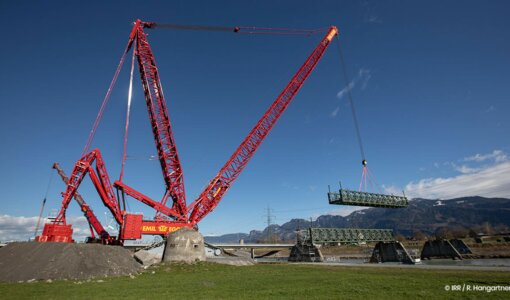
{"x": 24, "y": 261}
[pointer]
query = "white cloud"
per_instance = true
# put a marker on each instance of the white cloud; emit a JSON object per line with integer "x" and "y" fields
{"x": 289, "y": 185}
{"x": 335, "y": 112}
{"x": 344, "y": 211}
{"x": 489, "y": 180}
{"x": 370, "y": 15}
{"x": 20, "y": 228}
{"x": 372, "y": 19}
{"x": 464, "y": 169}
{"x": 392, "y": 190}
{"x": 363, "y": 76}
{"x": 346, "y": 89}
{"x": 490, "y": 108}
{"x": 14, "y": 228}
{"x": 496, "y": 155}
{"x": 493, "y": 181}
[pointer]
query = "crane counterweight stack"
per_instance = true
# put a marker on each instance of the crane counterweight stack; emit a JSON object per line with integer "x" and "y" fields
{"x": 178, "y": 215}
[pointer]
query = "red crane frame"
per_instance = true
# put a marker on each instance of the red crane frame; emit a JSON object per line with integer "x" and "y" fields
{"x": 169, "y": 219}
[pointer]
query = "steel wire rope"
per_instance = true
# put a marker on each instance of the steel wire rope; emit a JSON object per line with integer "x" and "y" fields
{"x": 349, "y": 96}
{"x": 128, "y": 113}
{"x": 366, "y": 172}
{"x": 49, "y": 185}
{"x": 105, "y": 101}
{"x": 239, "y": 29}
{"x": 348, "y": 87}
{"x": 44, "y": 202}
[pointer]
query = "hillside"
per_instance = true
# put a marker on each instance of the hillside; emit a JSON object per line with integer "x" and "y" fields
{"x": 423, "y": 215}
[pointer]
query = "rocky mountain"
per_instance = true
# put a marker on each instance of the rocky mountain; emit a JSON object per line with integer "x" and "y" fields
{"x": 425, "y": 215}
{"x": 226, "y": 238}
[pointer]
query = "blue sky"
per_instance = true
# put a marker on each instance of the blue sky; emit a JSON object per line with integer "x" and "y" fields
{"x": 429, "y": 81}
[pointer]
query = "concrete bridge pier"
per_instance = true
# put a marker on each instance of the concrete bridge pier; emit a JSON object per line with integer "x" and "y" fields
{"x": 445, "y": 248}
{"x": 391, "y": 252}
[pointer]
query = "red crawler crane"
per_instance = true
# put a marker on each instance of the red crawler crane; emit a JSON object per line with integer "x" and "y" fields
{"x": 169, "y": 219}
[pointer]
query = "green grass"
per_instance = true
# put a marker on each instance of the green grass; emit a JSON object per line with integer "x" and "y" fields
{"x": 264, "y": 281}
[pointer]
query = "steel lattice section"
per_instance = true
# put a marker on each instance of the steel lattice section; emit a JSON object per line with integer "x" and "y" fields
{"x": 349, "y": 197}
{"x": 160, "y": 121}
{"x": 346, "y": 235}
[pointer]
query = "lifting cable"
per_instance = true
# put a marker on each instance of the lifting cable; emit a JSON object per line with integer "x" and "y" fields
{"x": 366, "y": 174}
{"x": 128, "y": 111}
{"x": 105, "y": 102}
{"x": 240, "y": 29}
{"x": 348, "y": 87}
{"x": 43, "y": 203}
{"x": 192, "y": 27}
{"x": 279, "y": 31}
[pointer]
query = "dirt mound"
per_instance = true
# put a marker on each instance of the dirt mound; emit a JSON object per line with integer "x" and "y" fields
{"x": 40, "y": 261}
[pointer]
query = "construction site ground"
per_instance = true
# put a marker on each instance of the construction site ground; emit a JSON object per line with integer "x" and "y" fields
{"x": 364, "y": 251}
{"x": 487, "y": 250}
{"x": 26, "y": 261}
{"x": 32, "y": 261}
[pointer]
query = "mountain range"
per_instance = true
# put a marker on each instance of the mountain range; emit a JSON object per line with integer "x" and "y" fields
{"x": 422, "y": 215}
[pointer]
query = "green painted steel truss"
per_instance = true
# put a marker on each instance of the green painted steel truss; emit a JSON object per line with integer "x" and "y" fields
{"x": 346, "y": 235}
{"x": 349, "y": 197}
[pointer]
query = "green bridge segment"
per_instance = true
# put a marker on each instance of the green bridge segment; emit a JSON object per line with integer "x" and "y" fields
{"x": 346, "y": 235}
{"x": 349, "y": 197}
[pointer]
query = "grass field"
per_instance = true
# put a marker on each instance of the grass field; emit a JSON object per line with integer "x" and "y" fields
{"x": 267, "y": 281}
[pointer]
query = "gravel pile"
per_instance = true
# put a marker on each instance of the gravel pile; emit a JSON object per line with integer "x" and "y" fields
{"x": 26, "y": 261}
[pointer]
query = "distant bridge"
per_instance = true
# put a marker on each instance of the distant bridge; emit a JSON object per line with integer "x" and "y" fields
{"x": 252, "y": 247}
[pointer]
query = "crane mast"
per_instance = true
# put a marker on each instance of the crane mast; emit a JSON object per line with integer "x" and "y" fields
{"x": 160, "y": 121}
{"x": 161, "y": 129}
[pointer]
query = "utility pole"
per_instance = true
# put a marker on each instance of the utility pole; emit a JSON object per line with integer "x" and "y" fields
{"x": 270, "y": 219}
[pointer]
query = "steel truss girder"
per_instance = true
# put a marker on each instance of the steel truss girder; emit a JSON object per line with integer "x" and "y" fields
{"x": 350, "y": 197}
{"x": 346, "y": 235}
